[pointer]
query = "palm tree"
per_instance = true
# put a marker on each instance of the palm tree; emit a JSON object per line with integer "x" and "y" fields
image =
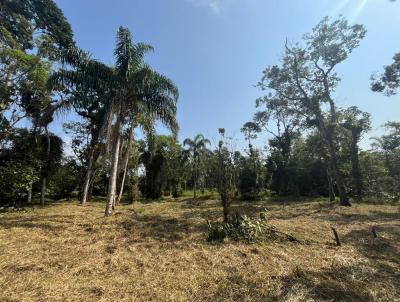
{"x": 129, "y": 88}
{"x": 196, "y": 148}
{"x": 136, "y": 88}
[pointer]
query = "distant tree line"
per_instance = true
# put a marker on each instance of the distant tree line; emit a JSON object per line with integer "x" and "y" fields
{"x": 313, "y": 146}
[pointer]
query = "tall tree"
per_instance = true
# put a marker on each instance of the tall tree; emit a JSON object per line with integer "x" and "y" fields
{"x": 283, "y": 124}
{"x": 225, "y": 171}
{"x": 356, "y": 122}
{"x": 136, "y": 86}
{"x": 306, "y": 81}
{"x": 196, "y": 149}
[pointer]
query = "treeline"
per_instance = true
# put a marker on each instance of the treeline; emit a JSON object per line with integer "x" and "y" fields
{"x": 313, "y": 147}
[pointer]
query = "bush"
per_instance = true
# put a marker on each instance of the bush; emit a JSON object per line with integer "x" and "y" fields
{"x": 216, "y": 231}
{"x": 16, "y": 180}
{"x": 239, "y": 228}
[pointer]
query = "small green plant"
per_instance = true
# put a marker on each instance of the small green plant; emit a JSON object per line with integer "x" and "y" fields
{"x": 238, "y": 228}
{"x": 244, "y": 228}
{"x": 216, "y": 231}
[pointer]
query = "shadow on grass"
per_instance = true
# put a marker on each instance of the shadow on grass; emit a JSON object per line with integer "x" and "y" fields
{"x": 373, "y": 216}
{"x": 353, "y": 283}
{"x": 48, "y": 222}
{"x": 161, "y": 228}
{"x": 344, "y": 283}
{"x": 382, "y": 252}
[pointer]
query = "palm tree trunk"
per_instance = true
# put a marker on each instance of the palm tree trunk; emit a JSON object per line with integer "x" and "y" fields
{"x": 88, "y": 176}
{"x": 126, "y": 160}
{"x": 112, "y": 183}
{"x": 195, "y": 185}
{"x": 44, "y": 178}
{"x": 93, "y": 156}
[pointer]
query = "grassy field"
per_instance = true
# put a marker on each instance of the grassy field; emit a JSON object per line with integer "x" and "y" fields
{"x": 158, "y": 252}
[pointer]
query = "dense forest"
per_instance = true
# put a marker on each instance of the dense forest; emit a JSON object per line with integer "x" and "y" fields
{"x": 313, "y": 147}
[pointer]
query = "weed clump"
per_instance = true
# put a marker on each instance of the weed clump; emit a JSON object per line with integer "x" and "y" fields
{"x": 246, "y": 229}
{"x": 238, "y": 228}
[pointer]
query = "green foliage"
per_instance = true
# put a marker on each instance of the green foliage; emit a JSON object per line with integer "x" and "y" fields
{"x": 32, "y": 32}
{"x": 216, "y": 231}
{"x": 35, "y": 37}
{"x": 196, "y": 151}
{"x": 24, "y": 84}
{"x": 49, "y": 156}
{"x": 248, "y": 186}
{"x": 239, "y": 228}
{"x": 66, "y": 179}
{"x": 388, "y": 146}
{"x": 21, "y": 19}
{"x": 25, "y": 160}
{"x": 389, "y": 81}
{"x": 165, "y": 165}
{"x": 16, "y": 179}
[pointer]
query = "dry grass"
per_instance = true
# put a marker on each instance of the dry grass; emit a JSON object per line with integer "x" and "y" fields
{"x": 158, "y": 252}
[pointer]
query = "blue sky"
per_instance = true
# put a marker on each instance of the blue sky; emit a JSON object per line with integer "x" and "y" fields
{"x": 216, "y": 50}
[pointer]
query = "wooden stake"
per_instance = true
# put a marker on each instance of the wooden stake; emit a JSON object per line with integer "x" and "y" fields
{"x": 336, "y": 236}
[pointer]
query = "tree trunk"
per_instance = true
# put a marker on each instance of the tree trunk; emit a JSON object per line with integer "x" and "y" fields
{"x": 126, "y": 160}
{"x": 225, "y": 206}
{"x": 88, "y": 177}
{"x": 328, "y": 137}
{"x": 194, "y": 185}
{"x": 344, "y": 200}
{"x": 332, "y": 196}
{"x": 44, "y": 178}
{"x": 355, "y": 166}
{"x": 43, "y": 190}
{"x": 112, "y": 182}
{"x": 93, "y": 156}
{"x": 29, "y": 199}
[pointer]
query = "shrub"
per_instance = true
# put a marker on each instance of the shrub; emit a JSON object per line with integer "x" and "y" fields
{"x": 239, "y": 228}
{"x": 16, "y": 180}
{"x": 216, "y": 231}
{"x": 245, "y": 228}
